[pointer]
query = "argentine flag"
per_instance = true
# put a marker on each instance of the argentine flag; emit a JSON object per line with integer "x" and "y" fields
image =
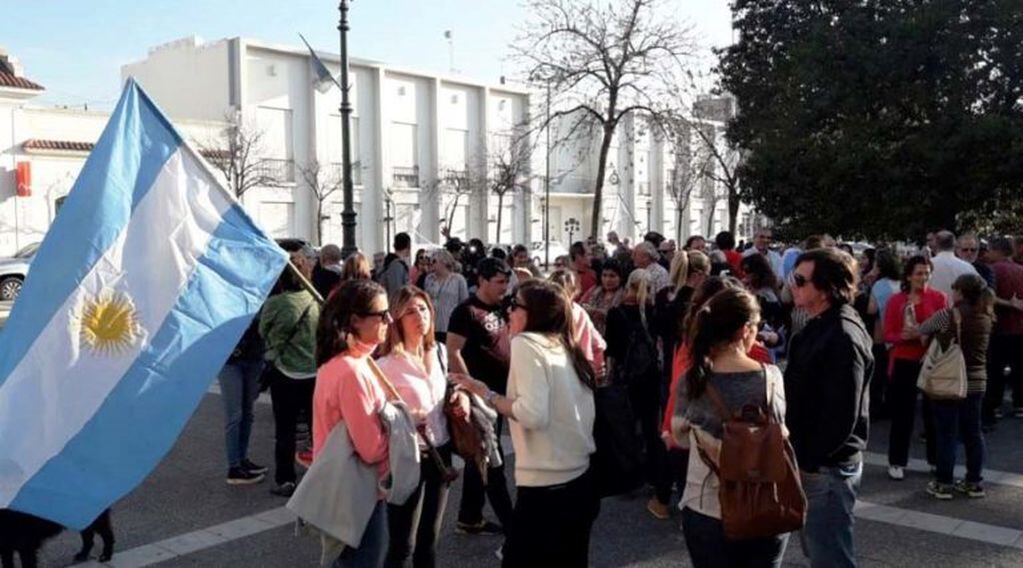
{"x": 140, "y": 290}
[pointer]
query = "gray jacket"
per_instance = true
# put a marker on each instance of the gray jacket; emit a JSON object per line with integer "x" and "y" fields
{"x": 338, "y": 493}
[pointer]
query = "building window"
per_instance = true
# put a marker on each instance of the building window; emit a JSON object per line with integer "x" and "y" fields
{"x": 406, "y": 176}
{"x": 275, "y": 127}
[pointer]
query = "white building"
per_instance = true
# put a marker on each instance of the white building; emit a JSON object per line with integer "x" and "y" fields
{"x": 413, "y": 136}
{"x": 44, "y": 149}
{"x": 637, "y": 196}
{"x": 423, "y": 147}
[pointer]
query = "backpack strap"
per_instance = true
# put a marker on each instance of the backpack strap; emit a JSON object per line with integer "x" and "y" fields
{"x": 718, "y": 402}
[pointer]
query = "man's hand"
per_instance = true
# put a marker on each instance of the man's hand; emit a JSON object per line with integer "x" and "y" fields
{"x": 478, "y": 388}
{"x": 909, "y": 333}
{"x": 460, "y": 405}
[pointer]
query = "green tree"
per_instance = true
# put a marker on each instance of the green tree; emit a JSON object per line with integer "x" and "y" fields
{"x": 877, "y": 118}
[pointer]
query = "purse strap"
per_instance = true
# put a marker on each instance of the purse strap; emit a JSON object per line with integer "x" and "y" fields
{"x": 294, "y": 330}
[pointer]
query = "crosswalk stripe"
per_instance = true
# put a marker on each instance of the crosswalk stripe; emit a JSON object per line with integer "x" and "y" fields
{"x": 990, "y": 475}
{"x": 940, "y": 524}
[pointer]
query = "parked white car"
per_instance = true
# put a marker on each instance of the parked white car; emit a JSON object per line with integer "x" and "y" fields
{"x": 539, "y": 252}
{"x": 13, "y": 271}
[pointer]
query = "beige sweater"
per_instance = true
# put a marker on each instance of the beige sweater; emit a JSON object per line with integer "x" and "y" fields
{"x": 553, "y": 427}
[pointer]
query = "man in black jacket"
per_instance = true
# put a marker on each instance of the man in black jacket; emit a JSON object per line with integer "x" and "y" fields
{"x": 826, "y": 388}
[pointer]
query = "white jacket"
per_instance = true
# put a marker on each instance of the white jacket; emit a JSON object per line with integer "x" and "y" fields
{"x": 553, "y": 427}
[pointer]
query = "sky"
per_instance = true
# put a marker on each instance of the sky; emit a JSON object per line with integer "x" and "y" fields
{"x": 75, "y": 49}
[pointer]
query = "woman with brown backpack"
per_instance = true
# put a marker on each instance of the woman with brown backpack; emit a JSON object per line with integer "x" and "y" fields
{"x": 731, "y": 413}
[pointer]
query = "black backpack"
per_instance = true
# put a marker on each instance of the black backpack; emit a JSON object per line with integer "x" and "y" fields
{"x": 641, "y": 364}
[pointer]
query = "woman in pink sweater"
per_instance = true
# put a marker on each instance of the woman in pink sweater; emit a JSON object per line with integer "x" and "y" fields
{"x": 353, "y": 323}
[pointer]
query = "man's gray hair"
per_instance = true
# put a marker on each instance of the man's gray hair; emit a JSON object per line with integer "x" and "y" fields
{"x": 331, "y": 254}
{"x": 945, "y": 240}
{"x": 650, "y": 250}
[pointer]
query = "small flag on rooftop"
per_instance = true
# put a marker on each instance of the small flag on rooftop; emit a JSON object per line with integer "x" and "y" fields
{"x": 324, "y": 80}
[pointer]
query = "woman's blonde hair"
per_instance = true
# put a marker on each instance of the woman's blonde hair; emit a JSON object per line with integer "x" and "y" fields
{"x": 356, "y": 267}
{"x": 395, "y": 342}
{"x": 567, "y": 280}
{"x": 679, "y": 271}
{"x": 639, "y": 284}
{"x": 698, "y": 262}
{"x": 444, "y": 257}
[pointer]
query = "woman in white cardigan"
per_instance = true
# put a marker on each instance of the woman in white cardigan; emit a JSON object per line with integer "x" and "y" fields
{"x": 551, "y": 410}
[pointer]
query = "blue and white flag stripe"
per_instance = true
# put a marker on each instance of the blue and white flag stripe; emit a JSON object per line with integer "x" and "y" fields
{"x": 81, "y": 426}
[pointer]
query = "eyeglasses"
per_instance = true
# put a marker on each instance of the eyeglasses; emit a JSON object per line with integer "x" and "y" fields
{"x": 968, "y": 250}
{"x": 515, "y": 305}
{"x": 384, "y": 315}
{"x": 799, "y": 280}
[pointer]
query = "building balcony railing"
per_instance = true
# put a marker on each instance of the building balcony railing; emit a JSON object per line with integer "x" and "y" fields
{"x": 337, "y": 172}
{"x": 405, "y": 176}
{"x": 278, "y": 170}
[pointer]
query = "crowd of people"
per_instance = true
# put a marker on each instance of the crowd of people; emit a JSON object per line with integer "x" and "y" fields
{"x": 817, "y": 337}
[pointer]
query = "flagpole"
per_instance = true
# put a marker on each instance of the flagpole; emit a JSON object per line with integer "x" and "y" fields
{"x": 348, "y": 214}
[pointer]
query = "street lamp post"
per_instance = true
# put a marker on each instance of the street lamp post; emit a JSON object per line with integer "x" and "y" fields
{"x": 348, "y": 214}
{"x": 571, "y": 226}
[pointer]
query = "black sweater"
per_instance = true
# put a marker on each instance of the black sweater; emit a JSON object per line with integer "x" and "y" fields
{"x": 827, "y": 389}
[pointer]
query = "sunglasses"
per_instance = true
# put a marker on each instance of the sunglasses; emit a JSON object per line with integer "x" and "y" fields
{"x": 799, "y": 280}
{"x": 384, "y": 315}
{"x": 515, "y": 305}
{"x": 968, "y": 249}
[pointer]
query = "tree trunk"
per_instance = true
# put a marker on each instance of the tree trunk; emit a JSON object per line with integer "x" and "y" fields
{"x": 598, "y": 190}
{"x": 679, "y": 210}
{"x": 733, "y": 208}
{"x": 319, "y": 222}
{"x": 500, "y": 209}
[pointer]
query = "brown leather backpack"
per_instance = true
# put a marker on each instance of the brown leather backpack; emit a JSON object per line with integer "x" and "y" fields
{"x": 758, "y": 480}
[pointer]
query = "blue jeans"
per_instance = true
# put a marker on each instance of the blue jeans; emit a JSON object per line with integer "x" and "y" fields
{"x": 373, "y": 548}
{"x": 963, "y": 416}
{"x": 827, "y": 537}
{"x": 708, "y": 548}
{"x": 239, "y": 388}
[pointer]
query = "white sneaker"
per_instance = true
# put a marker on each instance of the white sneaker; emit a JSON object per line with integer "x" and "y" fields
{"x": 896, "y": 472}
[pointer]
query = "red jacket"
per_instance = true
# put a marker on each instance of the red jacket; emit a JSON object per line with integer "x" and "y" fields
{"x": 679, "y": 367}
{"x": 930, "y": 302}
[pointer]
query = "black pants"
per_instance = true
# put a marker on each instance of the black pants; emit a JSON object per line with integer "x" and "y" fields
{"x": 708, "y": 548}
{"x": 674, "y": 469}
{"x": 879, "y": 384}
{"x": 474, "y": 493}
{"x": 1006, "y": 351}
{"x": 551, "y": 525}
{"x": 646, "y": 405}
{"x": 289, "y": 397}
{"x": 416, "y": 524}
{"x": 902, "y": 395}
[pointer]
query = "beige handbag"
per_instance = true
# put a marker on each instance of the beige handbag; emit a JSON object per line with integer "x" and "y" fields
{"x": 943, "y": 375}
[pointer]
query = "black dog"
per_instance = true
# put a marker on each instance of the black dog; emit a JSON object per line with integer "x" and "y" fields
{"x": 25, "y": 534}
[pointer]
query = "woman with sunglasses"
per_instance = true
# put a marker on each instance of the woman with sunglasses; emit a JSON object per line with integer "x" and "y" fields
{"x": 903, "y": 315}
{"x": 412, "y": 360}
{"x": 550, "y": 407}
{"x": 355, "y": 321}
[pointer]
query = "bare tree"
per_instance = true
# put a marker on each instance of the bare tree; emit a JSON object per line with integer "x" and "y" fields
{"x": 508, "y": 171}
{"x": 238, "y": 154}
{"x": 322, "y": 182}
{"x": 603, "y": 62}
{"x": 725, "y": 161}
{"x": 690, "y": 165}
{"x": 456, "y": 183}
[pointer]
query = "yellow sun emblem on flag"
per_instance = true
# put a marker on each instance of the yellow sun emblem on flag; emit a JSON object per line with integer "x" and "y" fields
{"x": 108, "y": 323}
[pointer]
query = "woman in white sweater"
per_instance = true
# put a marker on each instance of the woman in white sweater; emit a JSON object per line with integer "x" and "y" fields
{"x": 551, "y": 410}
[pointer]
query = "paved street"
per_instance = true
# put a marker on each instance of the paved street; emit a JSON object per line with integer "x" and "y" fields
{"x": 185, "y": 515}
